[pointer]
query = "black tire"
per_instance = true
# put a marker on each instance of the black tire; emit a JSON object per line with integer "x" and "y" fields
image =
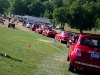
{"x": 67, "y": 44}
{"x": 38, "y": 32}
{"x": 13, "y": 25}
{"x": 60, "y": 40}
{"x": 70, "y": 68}
{"x": 42, "y": 34}
{"x": 47, "y": 35}
{"x": 8, "y": 25}
{"x": 67, "y": 58}
{"x": 55, "y": 38}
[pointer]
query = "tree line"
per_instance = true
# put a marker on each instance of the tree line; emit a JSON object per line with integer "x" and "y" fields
{"x": 78, "y": 14}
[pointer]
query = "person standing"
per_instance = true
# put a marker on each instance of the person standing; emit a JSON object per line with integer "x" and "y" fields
{"x": 17, "y": 21}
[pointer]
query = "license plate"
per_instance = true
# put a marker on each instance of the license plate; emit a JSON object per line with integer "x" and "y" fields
{"x": 95, "y": 55}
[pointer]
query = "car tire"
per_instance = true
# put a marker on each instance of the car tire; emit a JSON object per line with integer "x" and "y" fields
{"x": 46, "y": 35}
{"x": 42, "y": 34}
{"x": 55, "y": 38}
{"x": 8, "y": 25}
{"x": 70, "y": 68}
{"x": 38, "y": 32}
{"x": 31, "y": 29}
{"x": 14, "y": 26}
{"x": 67, "y": 44}
{"x": 67, "y": 58}
{"x": 60, "y": 40}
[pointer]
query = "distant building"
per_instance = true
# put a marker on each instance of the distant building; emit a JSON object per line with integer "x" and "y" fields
{"x": 37, "y": 19}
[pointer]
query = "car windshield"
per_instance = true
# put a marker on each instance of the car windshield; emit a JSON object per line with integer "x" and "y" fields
{"x": 90, "y": 42}
{"x": 68, "y": 34}
{"x": 30, "y": 23}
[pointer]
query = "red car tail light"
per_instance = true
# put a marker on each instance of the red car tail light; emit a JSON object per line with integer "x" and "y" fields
{"x": 77, "y": 52}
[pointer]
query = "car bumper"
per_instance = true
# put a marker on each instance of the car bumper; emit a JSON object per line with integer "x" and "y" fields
{"x": 86, "y": 64}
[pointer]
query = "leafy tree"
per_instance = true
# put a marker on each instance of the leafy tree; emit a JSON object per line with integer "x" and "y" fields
{"x": 82, "y": 17}
{"x": 67, "y": 3}
{"x": 36, "y": 8}
{"x": 89, "y": 15}
{"x": 57, "y": 3}
{"x": 59, "y": 16}
{"x": 17, "y": 7}
{"x": 97, "y": 24}
{"x": 3, "y": 6}
{"x": 26, "y": 3}
{"x": 48, "y": 6}
{"x": 48, "y": 14}
{"x": 98, "y": 10}
{"x": 48, "y": 9}
{"x": 43, "y": 0}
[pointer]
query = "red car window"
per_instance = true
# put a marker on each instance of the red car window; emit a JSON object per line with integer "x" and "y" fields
{"x": 90, "y": 42}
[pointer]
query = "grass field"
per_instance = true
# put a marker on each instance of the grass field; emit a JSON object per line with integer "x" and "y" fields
{"x": 43, "y": 57}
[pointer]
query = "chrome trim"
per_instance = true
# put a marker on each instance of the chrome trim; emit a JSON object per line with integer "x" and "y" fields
{"x": 86, "y": 64}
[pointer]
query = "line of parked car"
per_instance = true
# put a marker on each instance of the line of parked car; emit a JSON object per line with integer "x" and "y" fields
{"x": 83, "y": 49}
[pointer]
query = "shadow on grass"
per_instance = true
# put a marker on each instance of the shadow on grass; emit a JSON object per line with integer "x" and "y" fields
{"x": 9, "y": 57}
{"x": 86, "y": 72}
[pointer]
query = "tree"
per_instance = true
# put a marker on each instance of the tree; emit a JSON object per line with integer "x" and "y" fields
{"x": 3, "y": 6}
{"x": 80, "y": 16}
{"x": 48, "y": 9}
{"x": 67, "y": 3}
{"x": 48, "y": 14}
{"x": 57, "y": 3}
{"x": 18, "y": 7}
{"x": 59, "y": 15}
{"x": 98, "y": 10}
{"x": 36, "y": 8}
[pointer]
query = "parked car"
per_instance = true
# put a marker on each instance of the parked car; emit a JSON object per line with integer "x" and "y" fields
{"x": 39, "y": 30}
{"x": 84, "y": 53}
{"x": 21, "y": 19}
{"x": 49, "y": 32}
{"x": 53, "y": 26}
{"x": 34, "y": 26}
{"x": 63, "y": 36}
{"x": 2, "y": 20}
{"x": 58, "y": 27}
{"x": 28, "y": 24}
{"x": 71, "y": 39}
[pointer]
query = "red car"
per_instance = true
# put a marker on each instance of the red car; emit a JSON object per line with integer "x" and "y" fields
{"x": 71, "y": 39}
{"x": 84, "y": 52}
{"x": 63, "y": 36}
{"x": 34, "y": 26}
{"x": 2, "y": 20}
{"x": 49, "y": 32}
{"x": 39, "y": 30}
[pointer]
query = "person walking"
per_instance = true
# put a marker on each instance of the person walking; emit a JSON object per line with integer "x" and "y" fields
{"x": 17, "y": 21}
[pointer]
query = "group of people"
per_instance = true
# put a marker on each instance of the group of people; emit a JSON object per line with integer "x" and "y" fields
{"x": 13, "y": 20}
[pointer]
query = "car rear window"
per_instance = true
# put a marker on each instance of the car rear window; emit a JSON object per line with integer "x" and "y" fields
{"x": 90, "y": 42}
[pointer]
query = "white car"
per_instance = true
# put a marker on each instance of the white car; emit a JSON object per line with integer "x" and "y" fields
{"x": 28, "y": 24}
{"x": 58, "y": 27}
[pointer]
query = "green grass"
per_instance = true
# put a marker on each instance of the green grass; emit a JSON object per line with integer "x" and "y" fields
{"x": 42, "y": 58}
